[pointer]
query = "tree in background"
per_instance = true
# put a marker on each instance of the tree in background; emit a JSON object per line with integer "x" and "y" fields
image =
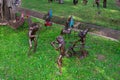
{"x": 8, "y": 9}
{"x": 61, "y": 2}
{"x": 104, "y": 3}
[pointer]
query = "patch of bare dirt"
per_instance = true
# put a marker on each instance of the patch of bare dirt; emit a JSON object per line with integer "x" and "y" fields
{"x": 101, "y": 57}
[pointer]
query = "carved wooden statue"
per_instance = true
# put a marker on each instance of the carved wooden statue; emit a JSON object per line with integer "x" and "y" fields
{"x": 48, "y": 18}
{"x": 68, "y": 26}
{"x": 18, "y": 22}
{"x": 33, "y": 29}
{"x": 61, "y": 47}
{"x": 66, "y": 30}
{"x": 82, "y": 37}
{"x": 71, "y": 22}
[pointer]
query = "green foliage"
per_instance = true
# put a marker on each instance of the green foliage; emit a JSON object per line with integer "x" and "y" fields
{"x": 109, "y": 17}
{"x": 101, "y": 64}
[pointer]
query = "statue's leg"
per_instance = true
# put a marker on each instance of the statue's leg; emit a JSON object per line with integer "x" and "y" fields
{"x": 59, "y": 62}
{"x": 35, "y": 44}
{"x": 68, "y": 53}
{"x": 84, "y": 54}
{"x": 72, "y": 50}
{"x": 30, "y": 46}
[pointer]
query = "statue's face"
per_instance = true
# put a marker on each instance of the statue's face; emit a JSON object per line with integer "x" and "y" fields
{"x": 60, "y": 39}
{"x": 81, "y": 34}
{"x": 36, "y": 27}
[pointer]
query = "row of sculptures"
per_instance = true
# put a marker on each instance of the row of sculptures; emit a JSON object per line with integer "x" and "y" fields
{"x": 59, "y": 44}
{"x": 97, "y": 2}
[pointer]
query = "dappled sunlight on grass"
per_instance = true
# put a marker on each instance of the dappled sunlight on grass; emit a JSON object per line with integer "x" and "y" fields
{"x": 77, "y": 18}
{"x": 115, "y": 11}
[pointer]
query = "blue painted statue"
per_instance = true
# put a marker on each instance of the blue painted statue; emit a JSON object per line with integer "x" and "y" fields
{"x": 71, "y": 22}
{"x": 50, "y": 13}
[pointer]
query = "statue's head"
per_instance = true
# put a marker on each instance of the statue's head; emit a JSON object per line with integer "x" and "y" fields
{"x": 69, "y": 18}
{"x": 82, "y": 34}
{"x": 35, "y": 26}
{"x": 60, "y": 39}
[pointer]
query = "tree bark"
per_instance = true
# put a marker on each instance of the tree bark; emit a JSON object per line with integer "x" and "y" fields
{"x": 7, "y": 10}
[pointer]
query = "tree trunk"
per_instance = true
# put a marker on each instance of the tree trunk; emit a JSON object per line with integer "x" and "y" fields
{"x": 7, "y": 10}
{"x": 104, "y": 3}
{"x": 60, "y": 1}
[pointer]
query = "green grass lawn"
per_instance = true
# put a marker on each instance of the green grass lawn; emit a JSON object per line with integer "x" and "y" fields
{"x": 109, "y": 17}
{"x": 103, "y": 62}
